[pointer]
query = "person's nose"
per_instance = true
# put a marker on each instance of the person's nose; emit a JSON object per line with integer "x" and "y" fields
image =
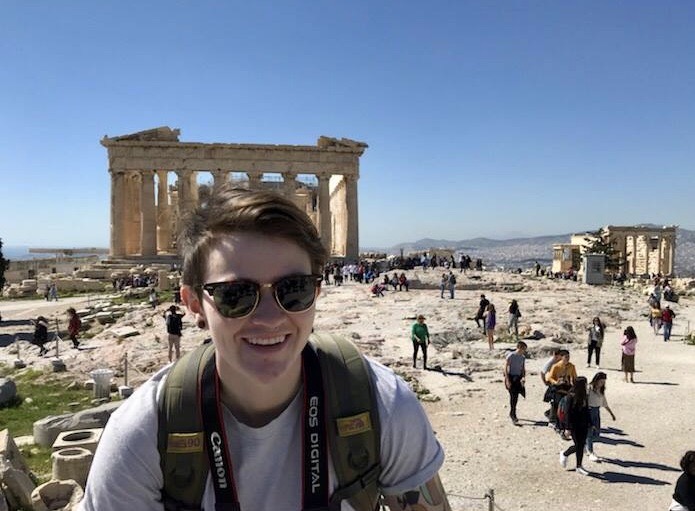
{"x": 268, "y": 312}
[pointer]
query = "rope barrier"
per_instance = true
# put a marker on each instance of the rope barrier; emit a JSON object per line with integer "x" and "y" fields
{"x": 486, "y": 497}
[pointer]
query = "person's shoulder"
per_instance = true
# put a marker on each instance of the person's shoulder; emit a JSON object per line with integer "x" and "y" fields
{"x": 141, "y": 406}
{"x": 390, "y": 389}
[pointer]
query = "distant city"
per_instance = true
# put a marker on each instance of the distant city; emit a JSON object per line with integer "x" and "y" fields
{"x": 502, "y": 254}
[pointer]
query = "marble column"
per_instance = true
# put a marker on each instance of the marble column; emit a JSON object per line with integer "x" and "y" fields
{"x": 148, "y": 215}
{"x": 219, "y": 177}
{"x": 132, "y": 209}
{"x": 352, "y": 249}
{"x": 289, "y": 184}
{"x": 117, "y": 248}
{"x": 163, "y": 212}
{"x": 324, "y": 208}
{"x": 183, "y": 184}
{"x": 193, "y": 189}
{"x": 633, "y": 256}
{"x": 647, "y": 249}
{"x": 255, "y": 180}
{"x": 671, "y": 252}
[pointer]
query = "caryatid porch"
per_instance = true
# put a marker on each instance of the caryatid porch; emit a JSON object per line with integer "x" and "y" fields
{"x": 145, "y": 210}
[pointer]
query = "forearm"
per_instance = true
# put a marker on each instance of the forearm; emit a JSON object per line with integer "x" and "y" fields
{"x": 427, "y": 497}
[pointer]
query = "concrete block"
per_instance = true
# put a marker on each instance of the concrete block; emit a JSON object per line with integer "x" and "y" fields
{"x": 84, "y": 438}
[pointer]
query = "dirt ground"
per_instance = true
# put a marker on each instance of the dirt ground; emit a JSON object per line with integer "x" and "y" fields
{"x": 467, "y": 402}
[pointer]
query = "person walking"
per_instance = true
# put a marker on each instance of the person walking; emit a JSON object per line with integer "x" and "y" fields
{"x": 53, "y": 292}
{"x": 480, "y": 314}
{"x": 549, "y": 390}
{"x": 490, "y": 323}
{"x": 595, "y": 341}
{"x": 514, "y": 315}
{"x": 597, "y": 399}
{"x": 515, "y": 377}
{"x": 561, "y": 376}
{"x": 174, "y": 324}
{"x": 443, "y": 284}
{"x": 74, "y": 326}
{"x": 578, "y": 422}
{"x": 40, "y": 334}
{"x": 628, "y": 346}
{"x": 667, "y": 316}
{"x": 420, "y": 336}
{"x": 684, "y": 493}
{"x": 252, "y": 263}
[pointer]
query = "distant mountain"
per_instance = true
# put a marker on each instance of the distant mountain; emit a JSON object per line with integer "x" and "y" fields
{"x": 523, "y": 252}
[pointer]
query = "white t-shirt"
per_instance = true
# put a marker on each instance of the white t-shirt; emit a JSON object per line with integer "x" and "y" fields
{"x": 596, "y": 399}
{"x": 125, "y": 473}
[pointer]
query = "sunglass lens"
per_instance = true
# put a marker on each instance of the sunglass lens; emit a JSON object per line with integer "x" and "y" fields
{"x": 297, "y": 293}
{"x": 236, "y": 299}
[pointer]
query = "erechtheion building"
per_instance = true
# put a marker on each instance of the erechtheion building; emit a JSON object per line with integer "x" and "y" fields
{"x": 155, "y": 181}
{"x": 640, "y": 250}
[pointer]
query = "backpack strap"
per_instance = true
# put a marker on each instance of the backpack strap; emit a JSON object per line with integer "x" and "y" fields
{"x": 180, "y": 439}
{"x": 353, "y": 425}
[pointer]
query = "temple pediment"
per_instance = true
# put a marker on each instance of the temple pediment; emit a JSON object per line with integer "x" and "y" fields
{"x": 161, "y": 134}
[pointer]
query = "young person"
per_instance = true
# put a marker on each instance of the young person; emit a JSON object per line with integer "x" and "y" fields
{"x": 578, "y": 422}
{"x": 684, "y": 493}
{"x": 514, "y": 315}
{"x": 480, "y": 314}
{"x": 629, "y": 347}
{"x": 420, "y": 336}
{"x": 667, "y": 316}
{"x": 561, "y": 376}
{"x": 251, "y": 275}
{"x": 515, "y": 377}
{"x": 549, "y": 394}
{"x": 174, "y": 324}
{"x": 40, "y": 334}
{"x": 595, "y": 341}
{"x": 597, "y": 399}
{"x": 74, "y": 325}
{"x": 490, "y": 323}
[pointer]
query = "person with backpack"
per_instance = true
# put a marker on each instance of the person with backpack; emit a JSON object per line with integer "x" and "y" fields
{"x": 74, "y": 326}
{"x": 174, "y": 324}
{"x": 561, "y": 376}
{"x": 667, "y": 316}
{"x": 575, "y": 408}
{"x": 267, "y": 415}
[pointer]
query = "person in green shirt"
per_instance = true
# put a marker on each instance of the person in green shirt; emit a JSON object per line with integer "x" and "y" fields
{"x": 421, "y": 338}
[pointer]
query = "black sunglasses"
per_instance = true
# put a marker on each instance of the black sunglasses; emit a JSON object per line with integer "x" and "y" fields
{"x": 239, "y": 298}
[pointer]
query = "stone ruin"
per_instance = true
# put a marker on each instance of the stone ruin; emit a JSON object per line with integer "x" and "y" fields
{"x": 146, "y": 207}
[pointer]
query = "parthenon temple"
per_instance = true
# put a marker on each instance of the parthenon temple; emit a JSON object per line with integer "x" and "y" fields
{"x": 156, "y": 179}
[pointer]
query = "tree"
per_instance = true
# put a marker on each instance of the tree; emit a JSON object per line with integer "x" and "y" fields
{"x": 598, "y": 242}
{"x": 4, "y": 264}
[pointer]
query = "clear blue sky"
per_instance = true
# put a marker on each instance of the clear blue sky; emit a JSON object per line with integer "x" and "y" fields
{"x": 484, "y": 118}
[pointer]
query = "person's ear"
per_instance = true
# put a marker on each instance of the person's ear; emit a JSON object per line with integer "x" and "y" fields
{"x": 192, "y": 301}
